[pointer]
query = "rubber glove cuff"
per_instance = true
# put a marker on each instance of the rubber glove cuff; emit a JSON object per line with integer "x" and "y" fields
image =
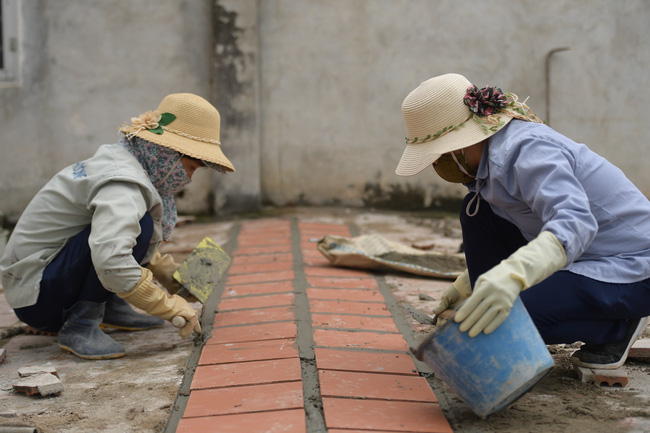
{"x": 149, "y": 297}
{"x": 163, "y": 268}
{"x": 496, "y": 290}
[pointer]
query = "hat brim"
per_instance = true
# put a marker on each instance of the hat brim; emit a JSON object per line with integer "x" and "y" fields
{"x": 195, "y": 149}
{"x": 417, "y": 157}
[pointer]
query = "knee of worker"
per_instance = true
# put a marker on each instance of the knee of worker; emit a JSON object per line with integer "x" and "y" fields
{"x": 541, "y": 309}
{"x": 546, "y": 327}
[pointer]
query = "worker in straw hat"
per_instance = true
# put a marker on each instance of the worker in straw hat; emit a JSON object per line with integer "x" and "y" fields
{"x": 546, "y": 219}
{"x": 86, "y": 245}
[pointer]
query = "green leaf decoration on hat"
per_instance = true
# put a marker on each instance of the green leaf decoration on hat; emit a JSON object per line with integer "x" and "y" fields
{"x": 165, "y": 119}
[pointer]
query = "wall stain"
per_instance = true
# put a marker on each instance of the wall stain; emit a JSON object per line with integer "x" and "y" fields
{"x": 228, "y": 58}
{"x": 404, "y": 197}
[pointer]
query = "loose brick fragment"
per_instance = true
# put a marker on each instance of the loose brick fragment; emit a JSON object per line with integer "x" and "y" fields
{"x": 600, "y": 377}
{"x": 584, "y": 374}
{"x": 41, "y": 383}
{"x": 37, "y": 369}
{"x": 640, "y": 349}
{"x": 611, "y": 377}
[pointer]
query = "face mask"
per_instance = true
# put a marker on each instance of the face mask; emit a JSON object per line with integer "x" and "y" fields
{"x": 175, "y": 179}
{"x": 454, "y": 168}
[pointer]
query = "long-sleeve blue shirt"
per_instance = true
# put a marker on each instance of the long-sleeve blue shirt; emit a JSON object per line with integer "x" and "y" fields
{"x": 539, "y": 180}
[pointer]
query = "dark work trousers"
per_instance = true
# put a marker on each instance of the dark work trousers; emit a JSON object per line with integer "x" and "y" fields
{"x": 71, "y": 278}
{"x": 565, "y": 307}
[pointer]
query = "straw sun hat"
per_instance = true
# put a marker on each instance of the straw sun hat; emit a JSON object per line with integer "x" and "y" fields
{"x": 186, "y": 123}
{"x": 448, "y": 113}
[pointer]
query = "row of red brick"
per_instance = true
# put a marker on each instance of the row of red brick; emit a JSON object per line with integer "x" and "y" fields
{"x": 249, "y": 375}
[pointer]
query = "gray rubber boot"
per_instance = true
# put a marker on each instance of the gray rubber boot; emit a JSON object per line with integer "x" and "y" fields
{"x": 80, "y": 333}
{"x": 119, "y": 314}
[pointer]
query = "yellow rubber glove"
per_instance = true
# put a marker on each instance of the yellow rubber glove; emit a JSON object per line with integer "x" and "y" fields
{"x": 457, "y": 292}
{"x": 163, "y": 267}
{"x": 496, "y": 290}
{"x": 149, "y": 297}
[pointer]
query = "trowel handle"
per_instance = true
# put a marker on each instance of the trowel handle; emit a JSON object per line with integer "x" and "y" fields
{"x": 178, "y": 321}
{"x": 445, "y": 315}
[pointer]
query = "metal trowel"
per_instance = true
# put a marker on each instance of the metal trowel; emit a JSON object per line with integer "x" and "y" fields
{"x": 200, "y": 273}
{"x": 426, "y": 320}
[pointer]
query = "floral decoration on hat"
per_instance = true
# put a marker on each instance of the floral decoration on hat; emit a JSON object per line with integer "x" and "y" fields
{"x": 151, "y": 120}
{"x": 486, "y": 101}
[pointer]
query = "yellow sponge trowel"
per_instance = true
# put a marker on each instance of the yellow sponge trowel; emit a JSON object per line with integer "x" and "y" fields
{"x": 201, "y": 271}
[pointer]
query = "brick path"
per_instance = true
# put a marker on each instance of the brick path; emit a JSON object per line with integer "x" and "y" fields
{"x": 301, "y": 346}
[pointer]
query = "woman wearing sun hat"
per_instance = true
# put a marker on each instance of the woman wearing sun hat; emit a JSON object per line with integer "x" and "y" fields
{"x": 546, "y": 219}
{"x": 87, "y": 242}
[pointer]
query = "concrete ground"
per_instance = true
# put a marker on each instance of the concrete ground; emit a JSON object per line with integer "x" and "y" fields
{"x": 169, "y": 384}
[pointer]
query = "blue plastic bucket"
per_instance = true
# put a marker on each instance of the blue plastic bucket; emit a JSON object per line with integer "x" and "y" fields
{"x": 489, "y": 372}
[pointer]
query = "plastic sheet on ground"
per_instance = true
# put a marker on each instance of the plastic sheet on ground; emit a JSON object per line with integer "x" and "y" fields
{"x": 376, "y": 252}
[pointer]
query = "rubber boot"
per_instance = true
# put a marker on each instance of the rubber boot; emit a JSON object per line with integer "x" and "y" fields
{"x": 80, "y": 333}
{"x": 120, "y": 315}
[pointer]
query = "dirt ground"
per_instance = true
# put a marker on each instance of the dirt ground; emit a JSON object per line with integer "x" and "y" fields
{"x": 560, "y": 403}
{"x": 137, "y": 393}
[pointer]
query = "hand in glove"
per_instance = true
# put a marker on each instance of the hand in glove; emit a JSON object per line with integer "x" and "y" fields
{"x": 458, "y": 291}
{"x": 163, "y": 267}
{"x": 496, "y": 290}
{"x": 149, "y": 297}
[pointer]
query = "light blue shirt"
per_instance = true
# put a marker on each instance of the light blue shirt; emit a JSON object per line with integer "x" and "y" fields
{"x": 540, "y": 180}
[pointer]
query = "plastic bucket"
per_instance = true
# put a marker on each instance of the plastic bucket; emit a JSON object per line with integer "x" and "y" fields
{"x": 489, "y": 372}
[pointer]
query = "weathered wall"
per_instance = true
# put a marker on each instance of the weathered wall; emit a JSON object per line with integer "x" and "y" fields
{"x": 334, "y": 75}
{"x": 310, "y": 91}
{"x": 235, "y": 81}
{"x": 87, "y": 67}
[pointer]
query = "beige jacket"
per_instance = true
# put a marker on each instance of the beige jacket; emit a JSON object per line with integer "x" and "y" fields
{"x": 112, "y": 192}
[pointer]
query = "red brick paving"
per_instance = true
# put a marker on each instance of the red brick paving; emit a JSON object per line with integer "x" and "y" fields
{"x": 272, "y": 300}
{"x": 270, "y": 331}
{"x": 345, "y": 413}
{"x": 366, "y": 323}
{"x": 282, "y": 421}
{"x": 248, "y": 351}
{"x": 249, "y": 377}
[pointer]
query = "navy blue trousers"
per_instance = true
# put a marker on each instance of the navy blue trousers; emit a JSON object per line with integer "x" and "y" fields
{"x": 565, "y": 307}
{"x": 71, "y": 278}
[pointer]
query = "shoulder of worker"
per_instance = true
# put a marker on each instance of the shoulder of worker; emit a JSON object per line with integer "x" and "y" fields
{"x": 529, "y": 140}
{"x": 110, "y": 163}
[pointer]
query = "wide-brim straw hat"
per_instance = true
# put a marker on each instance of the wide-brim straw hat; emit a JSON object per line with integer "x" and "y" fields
{"x": 437, "y": 122}
{"x": 195, "y": 130}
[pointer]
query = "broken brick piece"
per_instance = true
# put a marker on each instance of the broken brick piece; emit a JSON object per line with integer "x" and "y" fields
{"x": 425, "y": 245}
{"x": 611, "y": 377}
{"x": 640, "y": 349}
{"x": 33, "y": 331}
{"x": 37, "y": 369}
{"x": 41, "y": 383}
{"x": 584, "y": 374}
{"x": 600, "y": 376}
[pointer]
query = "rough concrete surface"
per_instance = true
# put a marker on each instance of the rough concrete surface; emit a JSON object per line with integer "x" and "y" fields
{"x": 137, "y": 393}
